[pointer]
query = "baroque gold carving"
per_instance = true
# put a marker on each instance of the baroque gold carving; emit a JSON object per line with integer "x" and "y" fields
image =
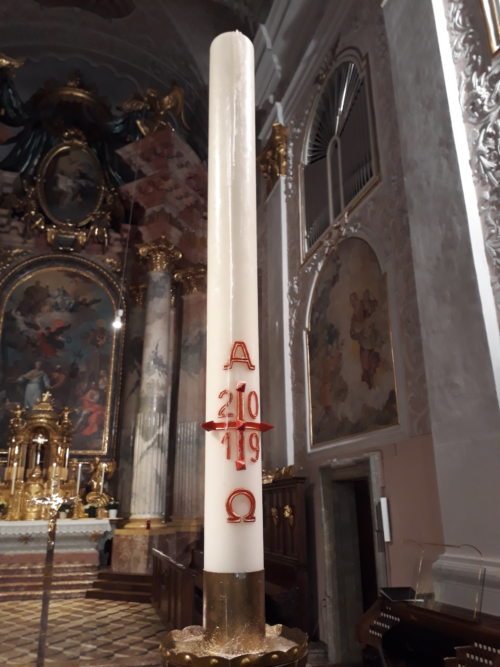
{"x": 192, "y": 278}
{"x": 159, "y": 254}
{"x": 158, "y": 106}
{"x": 38, "y": 452}
{"x": 9, "y": 255}
{"x": 270, "y": 476}
{"x": 10, "y": 64}
{"x": 273, "y": 159}
{"x": 114, "y": 264}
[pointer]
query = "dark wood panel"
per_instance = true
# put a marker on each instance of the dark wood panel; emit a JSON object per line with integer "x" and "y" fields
{"x": 178, "y": 589}
{"x": 430, "y": 634}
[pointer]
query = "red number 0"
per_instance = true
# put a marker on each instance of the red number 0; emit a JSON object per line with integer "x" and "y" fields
{"x": 253, "y": 410}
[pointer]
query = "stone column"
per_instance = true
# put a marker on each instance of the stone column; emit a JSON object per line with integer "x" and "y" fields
{"x": 151, "y": 433}
{"x": 130, "y": 396}
{"x": 188, "y": 474}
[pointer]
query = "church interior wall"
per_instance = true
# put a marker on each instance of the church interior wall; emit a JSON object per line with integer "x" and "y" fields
{"x": 458, "y": 358}
{"x": 382, "y": 220}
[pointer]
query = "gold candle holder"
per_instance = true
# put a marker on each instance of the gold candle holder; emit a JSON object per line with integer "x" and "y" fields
{"x": 280, "y": 647}
{"x": 78, "y": 511}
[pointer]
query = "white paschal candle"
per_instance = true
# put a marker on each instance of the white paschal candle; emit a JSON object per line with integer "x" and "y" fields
{"x": 233, "y": 535}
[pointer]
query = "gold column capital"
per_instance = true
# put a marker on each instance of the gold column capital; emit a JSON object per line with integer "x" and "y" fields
{"x": 192, "y": 278}
{"x": 160, "y": 254}
{"x": 273, "y": 159}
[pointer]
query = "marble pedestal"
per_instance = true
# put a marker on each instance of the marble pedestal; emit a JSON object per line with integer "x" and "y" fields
{"x": 132, "y": 548}
{"x": 77, "y": 541}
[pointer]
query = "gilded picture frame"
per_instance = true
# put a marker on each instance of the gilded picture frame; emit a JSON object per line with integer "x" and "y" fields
{"x": 70, "y": 185}
{"x": 56, "y": 335}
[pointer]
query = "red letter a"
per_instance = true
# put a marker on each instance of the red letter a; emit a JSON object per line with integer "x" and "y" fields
{"x": 239, "y": 353}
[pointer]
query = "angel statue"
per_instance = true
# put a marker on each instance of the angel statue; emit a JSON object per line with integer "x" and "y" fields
{"x": 8, "y": 64}
{"x": 99, "y": 469}
{"x": 155, "y": 108}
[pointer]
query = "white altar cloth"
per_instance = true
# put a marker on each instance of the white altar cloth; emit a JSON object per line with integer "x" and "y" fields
{"x": 81, "y": 535}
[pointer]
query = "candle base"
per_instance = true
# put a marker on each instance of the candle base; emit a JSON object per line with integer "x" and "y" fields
{"x": 234, "y": 607}
{"x": 279, "y": 647}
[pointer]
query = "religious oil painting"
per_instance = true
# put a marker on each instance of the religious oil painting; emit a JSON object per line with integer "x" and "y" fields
{"x": 71, "y": 184}
{"x": 352, "y": 386}
{"x": 56, "y": 336}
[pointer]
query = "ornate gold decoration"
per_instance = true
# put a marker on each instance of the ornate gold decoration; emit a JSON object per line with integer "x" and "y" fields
{"x": 96, "y": 496}
{"x": 190, "y": 647}
{"x": 9, "y": 255}
{"x": 38, "y": 215}
{"x": 270, "y": 476}
{"x": 159, "y": 254}
{"x": 275, "y": 515}
{"x": 114, "y": 264}
{"x": 192, "y": 278}
{"x": 38, "y": 454}
{"x": 273, "y": 159}
{"x": 10, "y": 64}
{"x": 289, "y": 515}
{"x": 152, "y": 102}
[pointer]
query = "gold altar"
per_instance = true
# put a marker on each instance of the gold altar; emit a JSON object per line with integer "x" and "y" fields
{"x": 39, "y": 463}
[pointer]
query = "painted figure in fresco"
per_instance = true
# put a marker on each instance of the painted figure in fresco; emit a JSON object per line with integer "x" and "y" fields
{"x": 37, "y": 382}
{"x": 93, "y": 411}
{"x": 59, "y": 319}
{"x": 50, "y": 339}
{"x": 365, "y": 332}
{"x": 59, "y": 385}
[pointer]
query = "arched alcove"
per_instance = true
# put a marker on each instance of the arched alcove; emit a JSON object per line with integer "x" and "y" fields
{"x": 351, "y": 369}
{"x": 56, "y": 335}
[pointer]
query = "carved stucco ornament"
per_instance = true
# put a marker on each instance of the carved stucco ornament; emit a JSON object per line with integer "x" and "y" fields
{"x": 273, "y": 159}
{"x": 479, "y": 86}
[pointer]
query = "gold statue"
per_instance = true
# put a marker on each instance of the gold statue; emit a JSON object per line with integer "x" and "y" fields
{"x": 8, "y": 63}
{"x": 99, "y": 469}
{"x": 273, "y": 159}
{"x": 158, "y": 106}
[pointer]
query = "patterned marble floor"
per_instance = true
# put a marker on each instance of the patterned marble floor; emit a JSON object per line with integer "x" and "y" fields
{"x": 81, "y": 632}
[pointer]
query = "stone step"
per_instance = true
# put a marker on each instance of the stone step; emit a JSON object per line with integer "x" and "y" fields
{"x": 125, "y": 596}
{"x": 117, "y": 585}
{"x": 11, "y": 596}
{"x": 56, "y": 576}
{"x": 37, "y": 584}
{"x": 109, "y": 575}
{"x": 26, "y": 570}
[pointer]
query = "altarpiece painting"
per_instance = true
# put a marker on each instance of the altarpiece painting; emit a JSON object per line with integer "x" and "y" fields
{"x": 56, "y": 335}
{"x": 352, "y": 385}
